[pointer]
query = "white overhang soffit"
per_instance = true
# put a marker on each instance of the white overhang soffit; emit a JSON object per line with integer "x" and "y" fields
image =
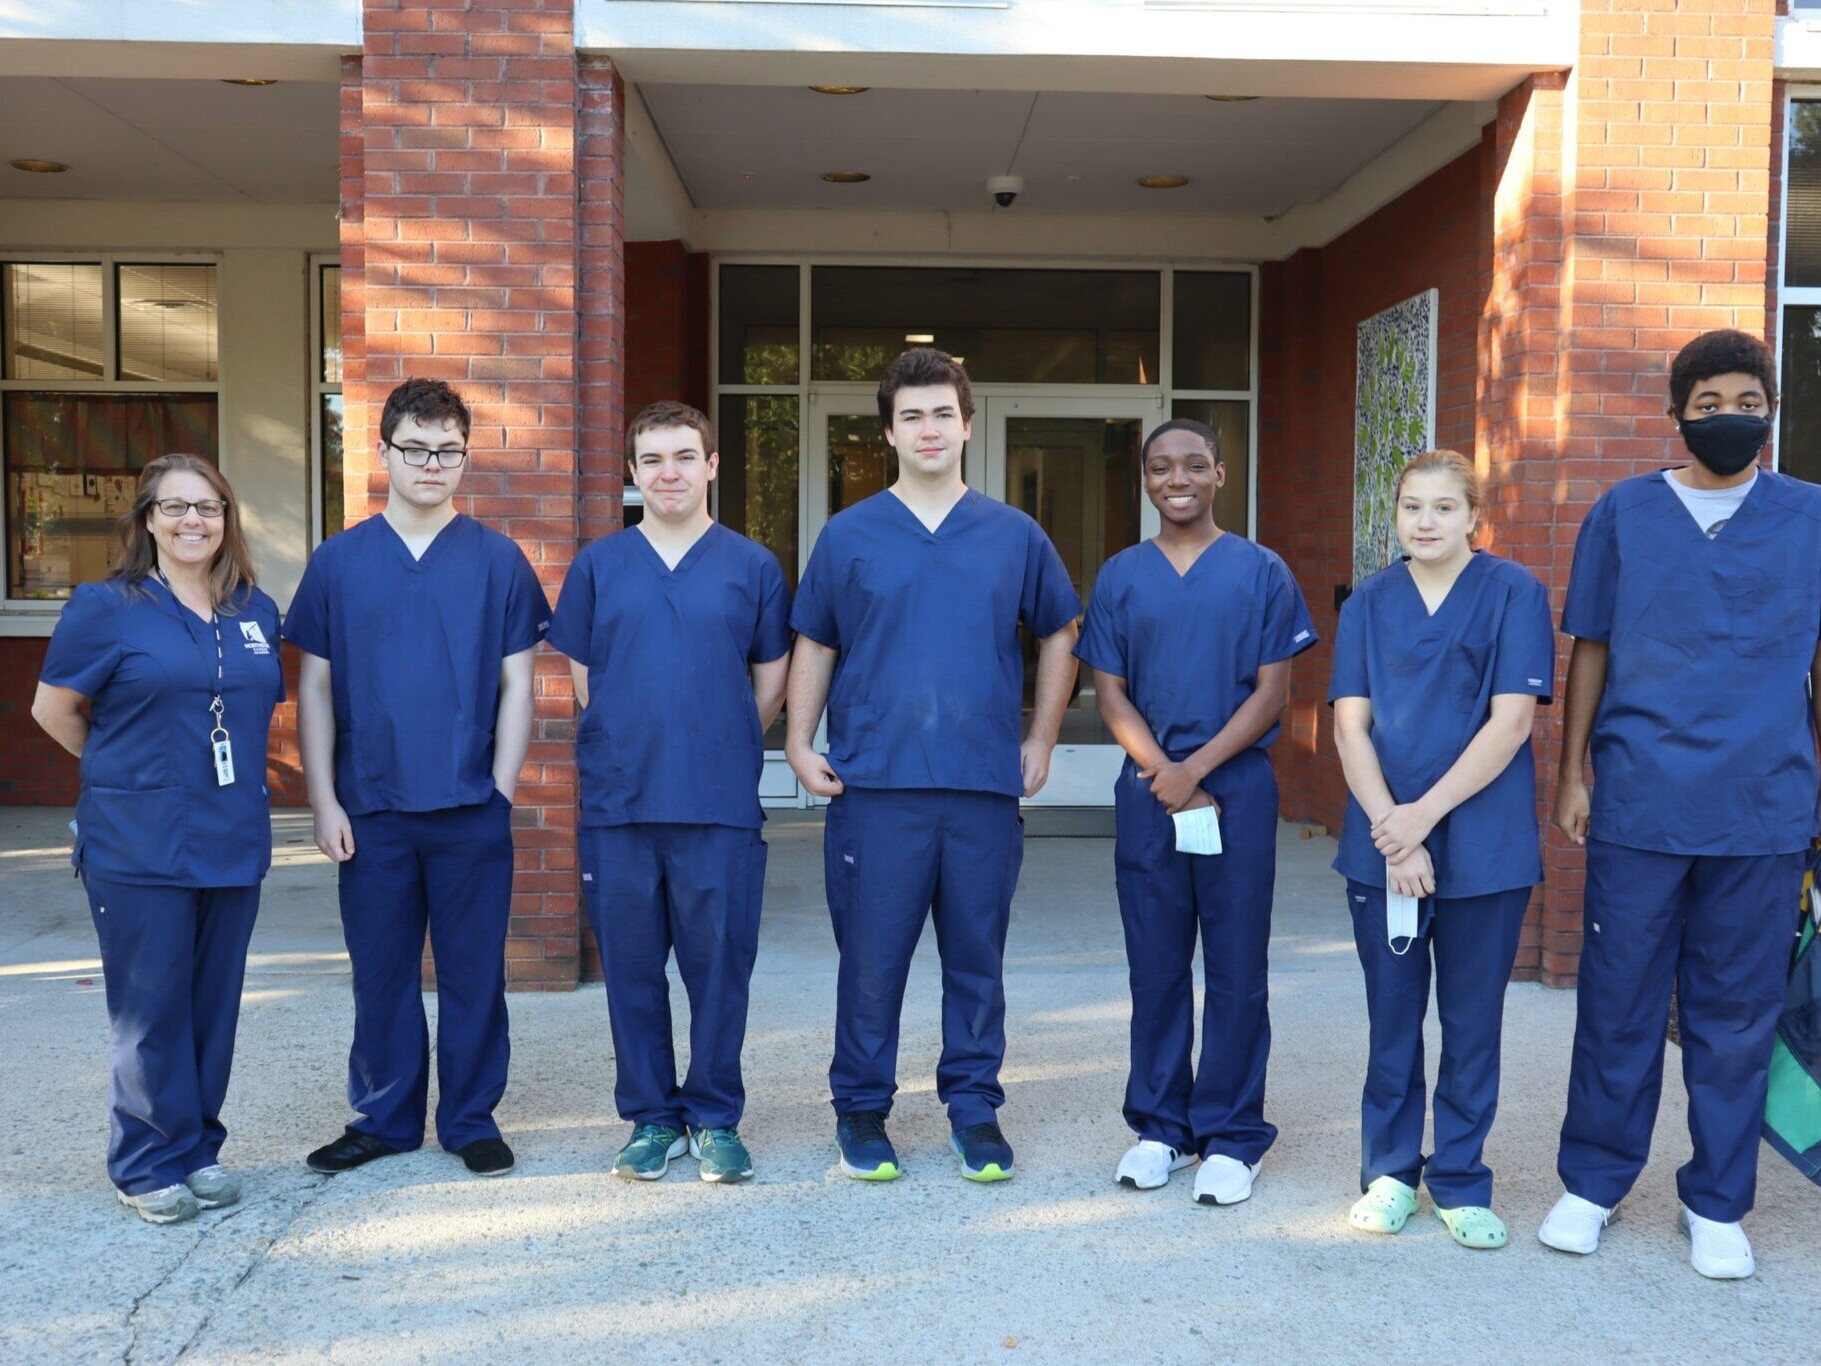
{"x": 1799, "y": 46}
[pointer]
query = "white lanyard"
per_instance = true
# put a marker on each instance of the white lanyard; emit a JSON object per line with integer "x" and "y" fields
{"x": 221, "y": 748}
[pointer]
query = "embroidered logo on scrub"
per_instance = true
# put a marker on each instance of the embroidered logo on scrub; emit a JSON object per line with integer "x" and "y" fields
{"x": 1534, "y": 682}
{"x": 255, "y": 638}
{"x": 847, "y": 858}
{"x": 1299, "y": 637}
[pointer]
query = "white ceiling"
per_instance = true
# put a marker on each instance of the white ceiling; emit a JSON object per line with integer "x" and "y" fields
{"x": 171, "y": 140}
{"x": 744, "y": 147}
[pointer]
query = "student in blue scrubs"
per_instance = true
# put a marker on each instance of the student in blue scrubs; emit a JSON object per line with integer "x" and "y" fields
{"x": 678, "y": 635}
{"x": 1695, "y": 607}
{"x": 1190, "y": 637}
{"x": 162, "y": 680}
{"x": 414, "y": 714}
{"x": 1439, "y": 663}
{"x": 907, "y": 628}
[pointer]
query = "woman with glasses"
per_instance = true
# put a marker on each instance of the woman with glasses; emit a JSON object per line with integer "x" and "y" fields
{"x": 162, "y": 680}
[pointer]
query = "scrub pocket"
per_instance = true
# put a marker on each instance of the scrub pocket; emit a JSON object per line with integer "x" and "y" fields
{"x": 1766, "y": 617}
{"x": 133, "y": 832}
{"x": 1475, "y": 664}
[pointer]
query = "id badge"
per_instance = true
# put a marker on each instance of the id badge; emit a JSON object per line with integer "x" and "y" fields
{"x": 1197, "y": 831}
{"x": 223, "y": 750}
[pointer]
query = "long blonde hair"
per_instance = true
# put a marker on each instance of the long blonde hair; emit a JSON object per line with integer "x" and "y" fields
{"x": 232, "y": 569}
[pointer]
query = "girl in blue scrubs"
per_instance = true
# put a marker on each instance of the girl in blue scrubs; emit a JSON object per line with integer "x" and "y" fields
{"x": 1439, "y": 663}
{"x": 414, "y": 715}
{"x": 678, "y": 633}
{"x": 1695, "y": 607}
{"x": 162, "y": 680}
{"x": 1190, "y": 637}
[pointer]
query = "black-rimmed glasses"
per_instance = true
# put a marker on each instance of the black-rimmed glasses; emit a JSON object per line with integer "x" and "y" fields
{"x": 417, "y": 456}
{"x": 180, "y": 507}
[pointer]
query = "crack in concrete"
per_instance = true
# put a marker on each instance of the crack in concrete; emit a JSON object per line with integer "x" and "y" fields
{"x": 132, "y": 1314}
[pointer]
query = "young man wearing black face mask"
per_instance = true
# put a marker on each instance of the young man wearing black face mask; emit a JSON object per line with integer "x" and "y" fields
{"x": 1695, "y": 604}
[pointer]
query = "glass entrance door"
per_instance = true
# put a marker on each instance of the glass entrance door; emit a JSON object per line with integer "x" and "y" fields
{"x": 1071, "y": 463}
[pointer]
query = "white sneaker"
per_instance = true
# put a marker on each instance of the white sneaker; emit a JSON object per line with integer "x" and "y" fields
{"x": 1720, "y": 1252}
{"x": 1148, "y": 1164}
{"x": 1574, "y": 1225}
{"x": 1224, "y": 1181}
{"x": 214, "y": 1186}
{"x": 172, "y": 1205}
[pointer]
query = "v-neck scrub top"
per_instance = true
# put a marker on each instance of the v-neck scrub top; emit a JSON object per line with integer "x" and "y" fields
{"x": 928, "y": 688}
{"x": 1703, "y": 742}
{"x": 151, "y": 811}
{"x": 414, "y": 648}
{"x": 671, "y": 731}
{"x": 1431, "y": 679}
{"x": 1190, "y": 646}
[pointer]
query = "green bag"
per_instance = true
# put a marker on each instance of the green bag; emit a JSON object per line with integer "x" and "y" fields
{"x": 1792, "y": 1111}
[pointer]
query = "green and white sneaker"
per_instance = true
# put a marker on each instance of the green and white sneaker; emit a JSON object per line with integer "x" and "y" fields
{"x": 214, "y": 1186}
{"x": 648, "y": 1154}
{"x": 723, "y": 1156}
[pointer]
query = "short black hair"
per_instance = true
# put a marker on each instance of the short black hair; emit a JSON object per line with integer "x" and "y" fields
{"x": 429, "y": 401}
{"x": 1723, "y": 352}
{"x": 923, "y": 367}
{"x": 1185, "y": 424}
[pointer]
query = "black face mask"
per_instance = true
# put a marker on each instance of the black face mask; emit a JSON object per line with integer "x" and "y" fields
{"x": 1726, "y": 442}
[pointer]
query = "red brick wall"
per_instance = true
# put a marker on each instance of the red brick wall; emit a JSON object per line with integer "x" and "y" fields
{"x": 667, "y": 324}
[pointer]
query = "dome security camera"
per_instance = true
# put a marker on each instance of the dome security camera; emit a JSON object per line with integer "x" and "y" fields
{"x": 1005, "y": 189}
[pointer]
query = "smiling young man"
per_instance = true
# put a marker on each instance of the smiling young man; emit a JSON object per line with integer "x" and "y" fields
{"x": 414, "y": 714}
{"x": 1695, "y": 607}
{"x": 1190, "y": 637}
{"x": 678, "y": 635}
{"x": 907, "y": 630}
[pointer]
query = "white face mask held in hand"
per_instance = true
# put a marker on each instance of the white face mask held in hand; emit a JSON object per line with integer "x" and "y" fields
{"x": 1197, "y": 831}
{"x": 1400, "y": 917}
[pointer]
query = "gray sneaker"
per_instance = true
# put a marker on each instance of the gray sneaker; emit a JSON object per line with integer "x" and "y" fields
{"x": 172, "y": 1205}
{"x": 214, "y": 1187}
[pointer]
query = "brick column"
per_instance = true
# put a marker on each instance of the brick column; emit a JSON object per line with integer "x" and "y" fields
{"x": 1631, "y": 213}
{"x": 459, "y": 204}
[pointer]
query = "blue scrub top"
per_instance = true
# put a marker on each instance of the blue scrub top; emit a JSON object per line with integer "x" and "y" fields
{"x": 150, "y": 809}
{"x": 414, "y": 648}
{"x": 671, "y": 732}
{"x": 1431, "y": 681}
{"x": 1190, "y": 646}
{"x": 928, "y": 688}
{"x": 1703, "y": 742}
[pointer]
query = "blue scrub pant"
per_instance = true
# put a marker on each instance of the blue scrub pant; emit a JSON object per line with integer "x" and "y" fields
{"x": 697, "y": 890}
{"x": 890, "y": 858}
{"x": 1164, "y": 898}
{"x": 1474, "y": 941}
{"x": 1718, "y": 929}
{"x": 451, "y": 870}
{"x": 172, "y": 961}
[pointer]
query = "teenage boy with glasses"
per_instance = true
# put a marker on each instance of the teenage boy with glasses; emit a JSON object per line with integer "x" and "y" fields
{"x": 414, "y": 713}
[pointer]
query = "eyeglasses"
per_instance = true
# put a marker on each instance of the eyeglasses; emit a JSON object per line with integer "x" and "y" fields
{"x": 417, "y": 457}
{"x": 180, "y": 507}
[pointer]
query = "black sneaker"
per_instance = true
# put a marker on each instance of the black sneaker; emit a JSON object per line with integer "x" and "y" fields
{"x": 487, "y": 1157}
{"x": 353, "y": 1149}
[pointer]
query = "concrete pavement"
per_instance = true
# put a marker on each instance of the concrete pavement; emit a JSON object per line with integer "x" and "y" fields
{"x": 411, "y": 1259}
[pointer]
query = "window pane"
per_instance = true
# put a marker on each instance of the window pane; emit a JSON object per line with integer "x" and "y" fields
{"x": 1798, "y": 452}
{"x": 334, "y": 516}
{"x": 167, "y": 323}
{"x": 331, "y": 324}
{"x": 53, "y": 321}
{"x": 860, "y": 463}
{"x": 1006, "y": 326}
{"x": 72, "y": 466}
{"x": 1211, "y": 330}
{"x": 758, "y": 483}
{"x": 1804, "y": 194}
{"x": 1230, "y": 418}
{"x": 759, "y": 324}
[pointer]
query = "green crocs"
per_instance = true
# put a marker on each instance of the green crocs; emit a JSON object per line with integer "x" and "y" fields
{"x": 648, "y": 1154}
{"x": 1385, "y": 1207}
{"x": 723, "y": 1156}
{"x": 1473, "y": 1226}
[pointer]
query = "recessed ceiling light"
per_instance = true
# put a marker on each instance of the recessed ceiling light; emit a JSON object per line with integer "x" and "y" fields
{"x": 920, "y": 338}
{"x": 840, "y": 89}
{"x": 1230, "y": 99}
{"x": 247, "y": 80}
{"x": 38, "y": 165}
{"x": 1163, "y": 182}
{"x": 845, "y": 177}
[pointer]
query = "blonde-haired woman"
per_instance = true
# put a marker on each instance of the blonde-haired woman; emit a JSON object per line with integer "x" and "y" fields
{"x": 1439, "y": 662}
{"x": 162, "y": 680}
